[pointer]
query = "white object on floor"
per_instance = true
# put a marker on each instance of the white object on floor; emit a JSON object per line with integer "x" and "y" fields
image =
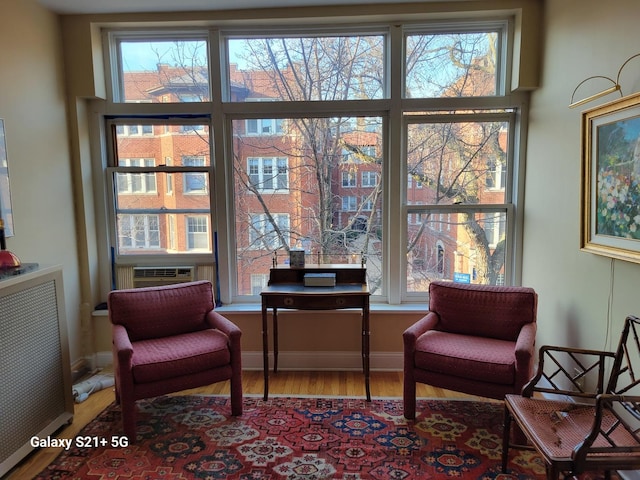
{"x": 82, "y": 390}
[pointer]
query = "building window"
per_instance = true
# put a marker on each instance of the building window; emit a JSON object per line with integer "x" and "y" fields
{"x": 266, "y": 174}
{"x": 269, "y": 232}
{"x": 349, "y": 204}
{"x": 138, "y": 232}
{"x": 258, "y": 282}
{"x": 348, "y": 179}
{"x": 198, "y": 233}
{"x": 369, "y": 179}
{"x": 137, "y": 183}
{"x": 195, "y": 183}
{"x": 264, "y": 126}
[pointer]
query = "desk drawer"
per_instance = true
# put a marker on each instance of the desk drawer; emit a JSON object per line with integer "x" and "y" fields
{"x": 309, "y": 302}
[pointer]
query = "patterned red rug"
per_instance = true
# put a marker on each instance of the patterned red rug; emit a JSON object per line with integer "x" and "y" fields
{"x": 296, "y": 438}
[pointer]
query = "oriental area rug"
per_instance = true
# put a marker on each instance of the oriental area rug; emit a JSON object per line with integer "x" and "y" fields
{"x": 182, "y": 437}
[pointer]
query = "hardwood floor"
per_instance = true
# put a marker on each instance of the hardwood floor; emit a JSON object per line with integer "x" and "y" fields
{"x": 343, "y": 384}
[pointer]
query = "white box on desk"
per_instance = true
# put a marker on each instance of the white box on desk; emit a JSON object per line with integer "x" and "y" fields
{"x": 320, "y": 280}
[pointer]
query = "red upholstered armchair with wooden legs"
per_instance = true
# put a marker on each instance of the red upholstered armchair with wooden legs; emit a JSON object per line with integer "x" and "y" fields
{"x": 167, "y": 339}
{"x": 476, "y": 339}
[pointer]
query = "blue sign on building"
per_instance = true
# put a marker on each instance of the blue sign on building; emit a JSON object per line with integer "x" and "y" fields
{"x": 462, "y": 277}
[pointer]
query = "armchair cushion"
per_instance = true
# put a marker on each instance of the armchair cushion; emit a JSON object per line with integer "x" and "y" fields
{"x": 464, "y": 356}
{"x": 164, "y": 358}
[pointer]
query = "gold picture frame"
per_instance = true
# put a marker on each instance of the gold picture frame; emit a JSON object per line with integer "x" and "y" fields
{"x": 610, "y": 185}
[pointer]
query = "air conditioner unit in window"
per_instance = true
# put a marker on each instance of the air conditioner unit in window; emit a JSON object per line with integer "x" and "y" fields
{"x": 157, "y": 276}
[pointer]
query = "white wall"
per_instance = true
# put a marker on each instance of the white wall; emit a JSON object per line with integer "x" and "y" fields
{"x": 582, "y": 38}
{"x": 32, "y": 104}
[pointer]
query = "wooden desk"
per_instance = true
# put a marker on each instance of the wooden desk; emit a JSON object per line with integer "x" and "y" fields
{"x": 286, "y": 290}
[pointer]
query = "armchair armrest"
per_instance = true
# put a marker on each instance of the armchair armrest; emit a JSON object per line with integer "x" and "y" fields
{"x": 411, "y": 334}
{"x": 122, "y": 345}
{"x": 564, "y": 371}
{"x": 233, "y": 333}
{"x": 525, "y": 350}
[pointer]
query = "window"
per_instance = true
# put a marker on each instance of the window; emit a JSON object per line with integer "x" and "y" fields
{"x": 136, "y": 182}
{"x": 153, "y": 217}
{"x": 369, "y": 179}
{"x": 318, "y": 148}
{"x": 452, "y": 64}
{"x": 349, "y": 204}
{"x": 162, "y": 70}
{"x": 198, "y": 233}
{"x": 268, "y": 173}
{"x": 194, "y": 183}
{"x": 348, "y": 179}
{"x": 138, "y": 232}
{"x": 306, "y": 68}
{"x": 269, "y": 232}
{"x": 263, "y": 126}
{"x": 294, "y": 199}
{"x": 449, "y": 154}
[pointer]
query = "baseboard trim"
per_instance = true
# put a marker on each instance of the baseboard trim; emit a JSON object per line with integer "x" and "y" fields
{"x": 310, "y": 361}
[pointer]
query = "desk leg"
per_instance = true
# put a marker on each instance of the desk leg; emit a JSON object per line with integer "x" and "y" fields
{"x": 275, "y": 340}
{"x": 365, "y": 348}
{"x": 265, "y": 350}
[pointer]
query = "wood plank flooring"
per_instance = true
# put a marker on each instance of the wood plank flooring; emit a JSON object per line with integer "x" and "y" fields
{"x": 293, "y": 383}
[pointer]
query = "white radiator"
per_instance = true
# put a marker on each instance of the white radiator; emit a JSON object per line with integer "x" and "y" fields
{"x": 35, "y": 371}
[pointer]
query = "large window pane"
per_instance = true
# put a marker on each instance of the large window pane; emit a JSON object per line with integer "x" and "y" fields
{"x": 465, "y": 247}
{"x": 458, "y": 164}
{"x": 305, "y": 68}
{"x": 163, "y": 71}
{"x": 451, "y": 65}
{"x": 289, "y": 192}
{"x": 160, "y": 187}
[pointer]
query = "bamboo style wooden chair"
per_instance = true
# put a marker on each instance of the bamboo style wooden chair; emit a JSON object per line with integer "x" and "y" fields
{"x": 573, "y": 427}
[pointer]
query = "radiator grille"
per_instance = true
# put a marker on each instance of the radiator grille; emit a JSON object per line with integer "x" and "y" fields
{"x": 32, "y": 393}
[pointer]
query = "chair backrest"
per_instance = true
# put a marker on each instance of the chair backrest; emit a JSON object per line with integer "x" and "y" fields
{"x": 483, "y": 310}
{"x": 622, "y": 380}
{"x": 155, "y": 312}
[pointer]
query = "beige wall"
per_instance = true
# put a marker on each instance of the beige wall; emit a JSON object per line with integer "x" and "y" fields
{"x": 583, "y": 38}
{"x": 32, "y": 104}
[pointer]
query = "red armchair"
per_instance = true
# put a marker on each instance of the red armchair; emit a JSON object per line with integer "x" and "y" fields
{"x": 476, "y": 339}
{"x": 167, "y": 339}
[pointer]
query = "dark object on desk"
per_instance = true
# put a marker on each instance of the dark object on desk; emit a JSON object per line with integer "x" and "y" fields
{"x": 577, "y": 429}
{"x": 476, "y": 339}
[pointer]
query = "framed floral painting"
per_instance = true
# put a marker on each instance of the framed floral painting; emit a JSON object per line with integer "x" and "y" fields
{"x": 610, "y": 217}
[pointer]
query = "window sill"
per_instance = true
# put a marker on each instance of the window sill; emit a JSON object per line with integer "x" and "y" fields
{"x": 410, "y": 308}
